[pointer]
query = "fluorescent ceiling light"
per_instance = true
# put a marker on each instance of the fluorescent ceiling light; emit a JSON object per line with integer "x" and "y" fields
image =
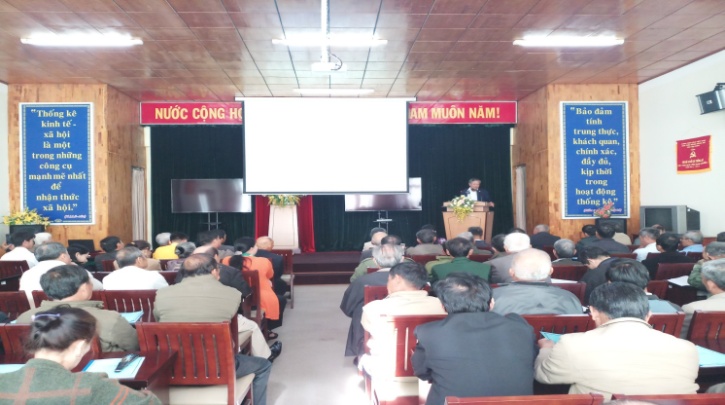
{"x": 348, "y": 42}
{"x": 82, "y": 40}
{"x": 329, "y": 67}
{"x": 562, "y": 41}
{"x": 333, "y": 92}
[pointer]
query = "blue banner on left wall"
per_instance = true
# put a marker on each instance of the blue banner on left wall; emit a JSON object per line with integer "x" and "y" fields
{"x": 56, "y": 168}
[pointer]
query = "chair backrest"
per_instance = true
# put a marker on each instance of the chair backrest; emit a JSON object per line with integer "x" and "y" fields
{"x": 694, "y": 255}
{"x": 288, "y": 261}
{"x": 480, "y": 258}
{"x": 109, "y": 265}
{"x": 206, "y": 354}
{"x": 423, "y": 259}
{"x": 667, "y": 271}
{"x": 658, "y": 288}
{"x": 632, "y": 248}
{"x": 375, "y": 292}
{"x": 13, "y": 303}
{"x": 652, "y": 255}
{"x": 169, "y": 276}
{"x": 164, "y": 262}
{"x": 676, "y": 399}
{"x": 405, "y": 341}
{"x": 624, "y": 255}
{"x": 560, "y": 324}
{"x": 100, "y": 275}
{"x": 86, "y": 243}
{"x": 40, "y": 296}
{"x": 708, "y": 325}
{"x": 550, "y": 251}
{"x": 670, "y": 324}
{"x": 577, "y": 289}
{"x": 573, "y": 272}
{"x": 14, "y": 336}
{"x": 10, "y": 272}
{"x": 254, "y": 300}
{"x": 131, "y": 301}
{"x": 563, "y": 399}
{"x": 372, "y": 269}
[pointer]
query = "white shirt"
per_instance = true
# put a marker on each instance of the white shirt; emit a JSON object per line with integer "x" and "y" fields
{"x": 472, "y": 194}
{"x": 134, "y": 278}
{"x": 644, "y": 251}
{"x": 21, "y": 253}
{"x": 30, "y": 280}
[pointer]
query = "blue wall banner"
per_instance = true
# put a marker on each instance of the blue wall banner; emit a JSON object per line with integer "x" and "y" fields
{"x": 595, "y": 158}
{"x": 56, "y": 161}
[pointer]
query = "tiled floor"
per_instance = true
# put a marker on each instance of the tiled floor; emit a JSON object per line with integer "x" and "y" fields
{"x": 312, "y": 368}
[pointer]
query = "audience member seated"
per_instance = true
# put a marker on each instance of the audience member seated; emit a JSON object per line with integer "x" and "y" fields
{"x": 469, "y": 237}
{"x": 162, "y": 238}
{"x": 264, "y": 246}
{"x": 370, "y": 262}
{"x": 605, "y": 232}
{"x": 369, "y": 244}
{"x": 58, "y": 341}
{"x": 619, "y": 235}
{"x": 598, "y": 261}
{"x": 43, "y": 237}
{"x": 375, "y": 240}
{"x": 426, "y": 245}
{"x": 460, "y": 249}
{"x": 531, "y": 293}
{"x": 713, "y": 277}
{"x": 213, "y": 238}
{"x": 441, "y": 259}
{"x": 513, "y": 243}
{"x": 647, "y": 243}
{"x": 168, "y": 250}
{"x": 70, "y": 285}
{"x": 224, "y": 249}
{"x": 691, "y": 242}
{"x": 182, "y": 251}
{"x": 588, "y": 236}
{"x": 458, "y": 354}
{"x": 478, "y": 242}
{"x": 541, "y": 237}
{"x": 80, "y": 255}
{"x": 720, "y": 237}
{"x": 667, "y": 245}
{"x": 634, "y": 272}
{"x": 713, "y": 251}
{"x": 386, "y": 256}
{"x": 23, "y": 243}
{"x": 200, "y": 297}
{"x": 49, "y": 255}
{"x": 228, "y": 276}
{"x": 497, "y": 245}
{"x": 565, "y": 252}
{"x": 623, "y": 355}
{"x": 133, "y": 274}
{"x": 405, "y": 297}
{"x": 110, "y": 245}
{"x": 145, "y": 248}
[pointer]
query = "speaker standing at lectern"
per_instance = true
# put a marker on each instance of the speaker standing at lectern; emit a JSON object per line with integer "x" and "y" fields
{"x": 475, "y": 192}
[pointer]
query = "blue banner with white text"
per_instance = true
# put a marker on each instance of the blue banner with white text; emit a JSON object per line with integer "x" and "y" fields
{"x": 595, "y": 158}
{"x": 57, "y": 161}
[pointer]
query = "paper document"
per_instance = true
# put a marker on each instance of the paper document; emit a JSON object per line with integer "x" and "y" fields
{"x": 710, "y": 358}
{"x": 109, "y": 365}
{"x": 554, "y": 337}
{"x": 681, "y": 281}
{"x": 132, "y": 317}
{"x": 561, "y": 281}
{"x": 9, "y": 368}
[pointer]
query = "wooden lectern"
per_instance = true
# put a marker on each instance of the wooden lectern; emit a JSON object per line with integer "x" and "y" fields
{"x": 481, "y": 216}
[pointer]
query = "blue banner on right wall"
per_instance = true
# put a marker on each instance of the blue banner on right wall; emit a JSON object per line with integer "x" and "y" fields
{"x": 595, "y": 158}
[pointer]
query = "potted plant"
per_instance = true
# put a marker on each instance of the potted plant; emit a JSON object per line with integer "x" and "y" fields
{"x": 283, "y": 200}
{"x": 462, "y": 206}
{"x": 26, "y": 220}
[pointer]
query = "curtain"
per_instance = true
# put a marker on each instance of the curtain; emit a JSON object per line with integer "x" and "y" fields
{"x": 521, "y": 196}
{"x": 305, "y": 222}
{"x": 138, "y": 203}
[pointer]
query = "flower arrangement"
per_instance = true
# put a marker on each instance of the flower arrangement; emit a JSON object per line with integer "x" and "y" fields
{"x": 26, "y": 217}
{"x": 283, "y": 200}
{"x": 605, "y": 211}
{"x": 462, "y": 206}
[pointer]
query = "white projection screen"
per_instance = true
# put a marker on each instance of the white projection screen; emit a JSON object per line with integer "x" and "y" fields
{"x": 325, "y": 146}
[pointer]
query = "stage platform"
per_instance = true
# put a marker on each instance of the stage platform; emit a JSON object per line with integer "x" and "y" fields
{"x": 325, "y": 267}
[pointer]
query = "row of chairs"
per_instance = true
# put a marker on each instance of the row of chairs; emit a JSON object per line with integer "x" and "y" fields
{"x": 591, "y": 399}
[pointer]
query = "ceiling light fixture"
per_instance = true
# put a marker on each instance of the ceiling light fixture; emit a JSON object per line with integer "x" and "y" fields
{"x": 564, "y": 41}
{"x": 347, "y": 42}
{"x": 329, "y": 67}
{"x": 81, "y": 40}
{"x": 333, "y": 92}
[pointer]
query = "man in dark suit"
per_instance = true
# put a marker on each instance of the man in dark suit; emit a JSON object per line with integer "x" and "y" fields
{"x": 605, "y": 233}
{"x": 264, "y": 244}
{"x": 110, "y": 245}
{"x": 667, "y": 245}
{"x": 598, "y": 261}
{"x": 475, "y": 192}
{"x": 445, "y": 356}
{"x": 542, "y": 237}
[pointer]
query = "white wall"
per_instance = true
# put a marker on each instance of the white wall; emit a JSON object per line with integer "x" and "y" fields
{"x": 4, "y": 183}
{"x": 669, "y": 112}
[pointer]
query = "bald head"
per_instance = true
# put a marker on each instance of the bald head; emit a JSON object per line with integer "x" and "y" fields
{"x": 206, "y": 250}
{"x": 198, "y": 265}
{"x": 377, "y": 237}
{"x": 264, "y": 243}
{"x": 531, "y": 265}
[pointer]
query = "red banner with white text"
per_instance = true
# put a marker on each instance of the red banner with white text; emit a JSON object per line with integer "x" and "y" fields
{"x": 191, "y": 113}
{"x": 693, "y": 155}
{"x": 465, "y": 112}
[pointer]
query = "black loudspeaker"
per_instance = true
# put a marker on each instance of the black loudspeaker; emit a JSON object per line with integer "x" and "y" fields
{"x": 712, "y": 101}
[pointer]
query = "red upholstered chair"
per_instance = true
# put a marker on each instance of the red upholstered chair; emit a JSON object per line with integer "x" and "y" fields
{"x": 624, "y": 255}
{"x": 14, "y": 336}
{"x": 372, "y": 269}
{"x": 573, "y": 273}
{"x": 550, "y": 251}
{"x": 164, "y": 262}
{"x": 666, "y": 271}
{"x": 375, "y": 292}
{"x": 204, "y": 369}
{"x": 131, "y": 301}
{"x": 423, "y": 259}
{"x": 670, "y": 324}
{"x": 694, "y": 255}
{"x": 169, "y": 276}
{"x": 676, "y": 399}
{"x": 577, "y": 289}
{"x": 565, "y": 399}
{"x": 252, "y": 305}
{"x": 10, "y": 272}
{"x": 560, "y": 324}
{"x": 13, "y": 303}
{"x": 109, "y": 265}
{"x": 658, "y": 288}
{"x": 652, "y": 255}
{"x": 707, "y": 325}
{"x": 289, "y": 272}
{"x": 100, "y": 275}
{"x": 480, "y": 258}
{"x": 39, "y": 296}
